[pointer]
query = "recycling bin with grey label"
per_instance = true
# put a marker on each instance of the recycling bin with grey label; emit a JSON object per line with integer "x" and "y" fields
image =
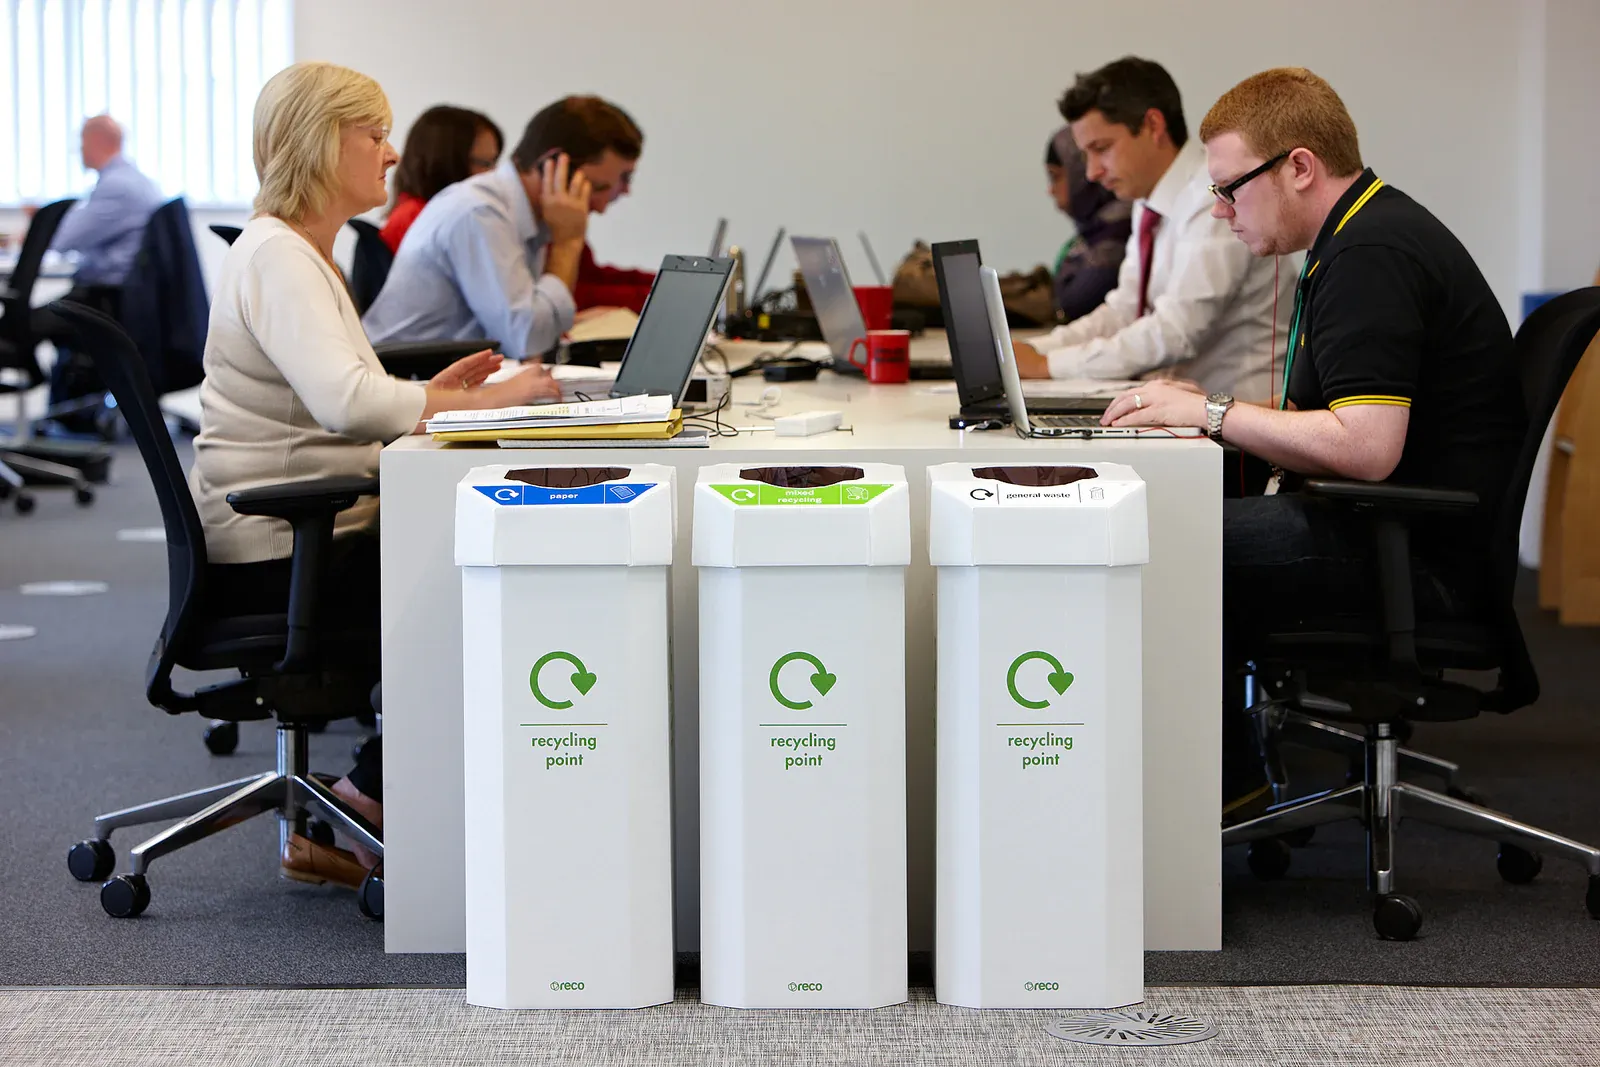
{"x": 1040, "y": 854}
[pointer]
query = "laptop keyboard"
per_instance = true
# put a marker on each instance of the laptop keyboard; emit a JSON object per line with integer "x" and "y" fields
{"x": 1065, "y": 422}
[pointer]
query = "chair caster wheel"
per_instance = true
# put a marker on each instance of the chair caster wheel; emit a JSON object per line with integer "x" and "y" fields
{"x": 125, "y": 896}
{"x": 84, "y": 497}
{"x": 369, "y": 898}
{"x": 320, "y": 831}
{"x": 24, "y": 503}
{"x": 1592, "y": 900}
{"x": 359, "y": 747}
{"x": 1517, "y": 865}
{"x": 1268, "y": 858}
{"x": 1299, "y": 838}
{"x": 1396, "y": 917}
{"x": 92, "y": 860}
{"x": 222, "y": 738}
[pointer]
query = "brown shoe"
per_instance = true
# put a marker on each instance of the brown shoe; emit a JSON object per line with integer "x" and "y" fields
{"x": 306, "y": 861}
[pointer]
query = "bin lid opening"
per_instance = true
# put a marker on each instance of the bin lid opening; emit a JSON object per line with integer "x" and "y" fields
{"x": 1035, "y": 477}
{"x": 566, "y": 477}
{"x": 801, "y": 477}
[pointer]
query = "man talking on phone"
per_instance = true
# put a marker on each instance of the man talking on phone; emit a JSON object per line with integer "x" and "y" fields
{"x": 498, "y": 255}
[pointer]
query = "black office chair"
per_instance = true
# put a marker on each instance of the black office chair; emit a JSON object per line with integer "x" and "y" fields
{"x": 290, "y": 668}
{"x": 1378, "y": 674}
{"x": 24, "y": 458}
{"x": 370, "y": 267}
{"x": 229, "y": 234}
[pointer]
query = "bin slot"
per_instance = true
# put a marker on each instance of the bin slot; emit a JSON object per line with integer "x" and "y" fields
{"x": 801, "y": 477}
{"x": 1035, "y": 477}
{"x": 566, "y": 477}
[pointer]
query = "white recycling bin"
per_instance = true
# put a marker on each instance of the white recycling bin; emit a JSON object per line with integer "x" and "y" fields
{"x": 564, "y": 598}
{"x": 1040, "y": 855}
{"x": 802, "y": 734}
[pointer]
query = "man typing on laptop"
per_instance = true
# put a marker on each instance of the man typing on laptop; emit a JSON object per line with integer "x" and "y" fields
{"x": 1190, "y": 301}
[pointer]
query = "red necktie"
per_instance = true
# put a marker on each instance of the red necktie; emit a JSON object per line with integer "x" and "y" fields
{"x": 1149, "y": 223}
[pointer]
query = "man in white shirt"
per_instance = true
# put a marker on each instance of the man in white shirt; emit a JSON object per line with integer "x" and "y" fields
{"x": 1190, "y": 301}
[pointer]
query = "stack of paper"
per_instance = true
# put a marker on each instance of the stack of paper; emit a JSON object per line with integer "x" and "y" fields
{"x": 624, "y": 418}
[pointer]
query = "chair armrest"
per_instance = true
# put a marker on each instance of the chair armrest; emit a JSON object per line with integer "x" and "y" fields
{"x": 1388, "y": 497}
{"x": 309, "y": 507}
{"x": 421, "y": 360}
{"x": 309, "y": 498}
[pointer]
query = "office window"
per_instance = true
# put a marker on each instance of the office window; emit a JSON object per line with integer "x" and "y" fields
{"x": 181, "y": 76}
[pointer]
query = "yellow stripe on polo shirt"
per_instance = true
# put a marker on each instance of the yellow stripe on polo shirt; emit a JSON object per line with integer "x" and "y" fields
{"x": 1389, "y": 401}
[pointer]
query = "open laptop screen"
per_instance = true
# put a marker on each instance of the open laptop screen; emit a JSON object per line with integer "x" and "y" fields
{"x": 672, "y": 327}
{"x": 966, "y": 321}
{"x": 834, "y": 301}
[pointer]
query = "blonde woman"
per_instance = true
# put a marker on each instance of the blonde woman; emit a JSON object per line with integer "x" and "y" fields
{"x": 293, "y": 389}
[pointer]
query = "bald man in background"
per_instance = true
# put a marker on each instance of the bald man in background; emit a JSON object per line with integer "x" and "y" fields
{"x": 106, "y": 227}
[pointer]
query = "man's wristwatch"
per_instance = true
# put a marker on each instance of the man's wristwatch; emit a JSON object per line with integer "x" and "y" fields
{"x": 1217, "y": 405}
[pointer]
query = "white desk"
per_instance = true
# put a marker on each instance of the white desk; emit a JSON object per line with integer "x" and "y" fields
{"x": 904, "y": 424}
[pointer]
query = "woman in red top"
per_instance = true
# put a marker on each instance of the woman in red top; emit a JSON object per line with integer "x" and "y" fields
{"x": 445, "y": 145}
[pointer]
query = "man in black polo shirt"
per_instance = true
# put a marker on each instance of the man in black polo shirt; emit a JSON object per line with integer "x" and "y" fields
{"x": 1400, "y": 367}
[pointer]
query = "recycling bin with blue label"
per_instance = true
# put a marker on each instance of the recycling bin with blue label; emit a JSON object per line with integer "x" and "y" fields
{"x": 802, "y": 734}
{"x": 564, "y": 597}
{"x": 1040, "y": 840}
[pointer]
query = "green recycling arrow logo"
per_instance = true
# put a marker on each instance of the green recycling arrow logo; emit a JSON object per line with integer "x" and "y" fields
{"x": 821, "y": 680}
{"x": 1059, "y": 679}
{"x": 581, "y": 679}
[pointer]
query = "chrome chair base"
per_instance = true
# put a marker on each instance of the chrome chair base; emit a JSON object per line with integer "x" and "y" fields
{"x": 292, "y": 791}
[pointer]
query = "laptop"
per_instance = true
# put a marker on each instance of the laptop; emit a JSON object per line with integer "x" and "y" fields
{"x": 972, "y": 349}
{"x": 1049, "y": 426}
{"x": 832, "y": 298}
{"x": 673, "y": 326}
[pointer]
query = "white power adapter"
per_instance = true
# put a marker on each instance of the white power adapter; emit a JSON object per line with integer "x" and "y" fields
{"x": 807, "y": 423}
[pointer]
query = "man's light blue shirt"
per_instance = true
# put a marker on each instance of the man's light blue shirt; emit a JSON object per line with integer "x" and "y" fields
{"x": 106, "y": 228}
{"x": 472, "y": 265}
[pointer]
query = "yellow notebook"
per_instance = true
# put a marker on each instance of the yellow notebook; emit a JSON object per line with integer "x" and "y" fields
{"x": 632, "y": 431}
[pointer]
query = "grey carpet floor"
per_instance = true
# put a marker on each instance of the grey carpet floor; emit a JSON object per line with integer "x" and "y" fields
{"x": 1315, "y": 1026}
{"x": 76, "y": 737}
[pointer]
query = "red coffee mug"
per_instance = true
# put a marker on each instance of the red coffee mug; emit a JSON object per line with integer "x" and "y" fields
{"x": 877, "y": 305}
{"x": 888, "y": 359}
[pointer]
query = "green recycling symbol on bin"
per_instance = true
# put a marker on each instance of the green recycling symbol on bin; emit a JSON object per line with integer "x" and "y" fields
{"x": 1059, "y": 679}
{"x": 821, "y": 681}
{"x": 582, "y": 680}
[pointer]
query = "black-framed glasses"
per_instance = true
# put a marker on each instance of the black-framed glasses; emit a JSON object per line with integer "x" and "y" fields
{"x": 1225, "y": 193}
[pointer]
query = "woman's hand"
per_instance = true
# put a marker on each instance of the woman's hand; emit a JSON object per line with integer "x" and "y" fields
{"x": 531, "y": 385}
{"x": 468, "y": 372}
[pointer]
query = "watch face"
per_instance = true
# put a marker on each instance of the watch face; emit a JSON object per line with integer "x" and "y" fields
{"x": 1219, "y": 398}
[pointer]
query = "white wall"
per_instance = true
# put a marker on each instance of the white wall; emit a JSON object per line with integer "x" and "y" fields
{"x": 929, "y": 119}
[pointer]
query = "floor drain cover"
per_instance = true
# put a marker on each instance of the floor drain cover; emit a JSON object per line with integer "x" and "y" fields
{"x": 64, "y": 588}
{"x": 16, "y": 632}
{"x": 1132, "y": 1028}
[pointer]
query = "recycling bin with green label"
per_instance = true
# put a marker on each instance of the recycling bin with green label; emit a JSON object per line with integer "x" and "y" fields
{"x": 564, "y": 597}
{"x": 802, "y": 734}
{"x": 1040, "y": 854}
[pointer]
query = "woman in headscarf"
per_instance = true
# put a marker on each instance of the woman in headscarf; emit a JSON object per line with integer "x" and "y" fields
{"x": 1086, "y": 267}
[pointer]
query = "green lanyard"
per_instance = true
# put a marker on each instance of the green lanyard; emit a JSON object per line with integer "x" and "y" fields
{"x": 1294, "y": 332}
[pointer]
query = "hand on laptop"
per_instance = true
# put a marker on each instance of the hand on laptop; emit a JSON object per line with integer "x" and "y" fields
{"x": 1031, "y": 363}
{"x": 532, "y": 385}
{"x": 1160, "y": 403}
